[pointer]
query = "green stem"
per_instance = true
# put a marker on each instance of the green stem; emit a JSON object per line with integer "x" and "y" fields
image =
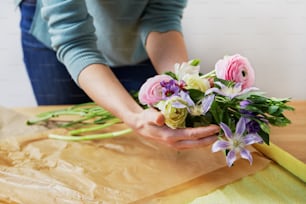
{"x": 73, "y": 122}
{"x": 94, "y": 128}
{"x": 210, "y": 74}
{"x": 91, "y": 137}
{"x": 60, "y": 112}
{"x": 48, "y": 115}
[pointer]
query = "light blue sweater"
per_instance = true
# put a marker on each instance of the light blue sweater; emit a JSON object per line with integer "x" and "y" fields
{"x": 112, "y": 32}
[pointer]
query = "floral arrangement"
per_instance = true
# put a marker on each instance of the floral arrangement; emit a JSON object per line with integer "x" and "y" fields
{"x": 225, "y": 96}
{"x": 187, "y": 98}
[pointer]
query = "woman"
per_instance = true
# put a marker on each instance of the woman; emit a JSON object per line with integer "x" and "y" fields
{"x": 104, "y": 49}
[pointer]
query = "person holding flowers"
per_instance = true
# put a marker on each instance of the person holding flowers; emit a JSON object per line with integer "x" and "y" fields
{"x": 189, "y": 100}
{"x": 225, "y": 97}
{"x": 109, "y": 47}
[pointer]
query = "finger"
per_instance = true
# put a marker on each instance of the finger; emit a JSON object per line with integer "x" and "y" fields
{"x": 155, "y": 117}
{"x": 200, "y": 132}
{"x": 190, "y": 133}
{"x": 190, "y": 144}
{"x": 160, "y": 120}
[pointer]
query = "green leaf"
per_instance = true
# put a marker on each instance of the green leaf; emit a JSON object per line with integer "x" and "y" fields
{"x": 254, "y": 109}
{"x": 195, "y": 62}
{"x": 282, "y": 100}
{"x": 273, "y": 109}
{"x": 198, "y": 121}
{"x": 279, "y": 121}
{"x": 257, "y": 99}
{"x": 225, "y": 82}
{"x": 248, "y": 95}
{"x": 217, "y": 112}
{"x": 264, "y": 126}
{"x": 265, "y": 137}
{"x": 171, "y": 74}
{"x": 286, "y": 107}
{"x": 195, "y": 94}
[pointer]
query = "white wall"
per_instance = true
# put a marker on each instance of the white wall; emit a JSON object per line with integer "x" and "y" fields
{"x": 15, "y": 89}
{"x": 270, "y": 33}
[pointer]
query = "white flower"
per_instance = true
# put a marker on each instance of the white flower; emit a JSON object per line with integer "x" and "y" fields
{"x": 175, "y": 111}
{"x": 230, "y": 91}
{"x": 196, "y": 110}
{"x": 184, "y": 69}
{"x": 195, "y": 82}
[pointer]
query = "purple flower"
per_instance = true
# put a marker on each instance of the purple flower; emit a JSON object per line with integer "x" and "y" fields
{"x": 186, "y": 97}
{"x": 171, "y": 87}
{"x": 236, "y": 142}
{"x": 231, "y": 92}
{"x": 243, "y": 106}
{"x": 252, "y": 126}
{"x": 207, "y": 102}
{"x": 245, "y": 103}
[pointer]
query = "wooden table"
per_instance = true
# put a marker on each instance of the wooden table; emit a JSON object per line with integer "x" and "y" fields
{"x": 274, "y": 184}
{"x": 290, "y": 142}
{"x": 291, "y": 139}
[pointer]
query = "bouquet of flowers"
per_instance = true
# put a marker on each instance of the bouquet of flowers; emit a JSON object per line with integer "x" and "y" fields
{"x": 225, "y": 96}
{"x": 187, "y": 98}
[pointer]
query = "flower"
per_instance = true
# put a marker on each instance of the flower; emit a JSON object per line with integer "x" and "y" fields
{"x": 195, "y": 82}
{"x": 252, "y": 126}
{"x": 230, "y": 91}
{"x": 236, "y": 142}
{"x": 186, "y": 69}
{"x": 236, "y": 68}
{"x": 151, "y": 91}
{"x": 207, "y": 102}
{"x": 196, "y": 109}
{"x": 171, "y": 87}
{"x": 225, "y": 96}
{"x": 175, "y": 111}
{"x": 244, "y": 103}
{"x": 190, "y": 74}
{"x": 187, "y": 98}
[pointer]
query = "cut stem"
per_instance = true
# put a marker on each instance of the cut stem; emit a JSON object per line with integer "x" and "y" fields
{"x": 94, "y": 128}
{"x": 90, "y": 137}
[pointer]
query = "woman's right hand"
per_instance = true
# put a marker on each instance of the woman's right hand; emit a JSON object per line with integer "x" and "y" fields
{"x": 102, "y": 86}
{"x": 150, "y": 124}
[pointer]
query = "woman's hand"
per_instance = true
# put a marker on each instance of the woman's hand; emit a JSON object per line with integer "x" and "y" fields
{"x": 102, "y": 86}
{"x": 150, "y": 124}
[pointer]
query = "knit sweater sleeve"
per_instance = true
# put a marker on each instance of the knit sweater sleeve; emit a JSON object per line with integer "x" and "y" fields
{"x": 161, "y": 16}
{"x": 72, "y": 34}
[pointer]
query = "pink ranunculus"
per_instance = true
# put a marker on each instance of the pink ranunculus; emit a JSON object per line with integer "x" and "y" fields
{"x": 151, "y": 91}
{"x": 236, "y": 68}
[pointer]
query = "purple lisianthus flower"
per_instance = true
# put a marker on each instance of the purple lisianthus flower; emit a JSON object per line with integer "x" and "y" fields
{"x": 230, "y": 91}
{"x": 245, "y": 103}
{"x": 236, "y": 142}
{"x": 252, "y": 126}
{"x": 190, "y": 105}
{"x": 207, "y": 102}
{"x": 186, "y": 97}
{"x": 171, "y": 87}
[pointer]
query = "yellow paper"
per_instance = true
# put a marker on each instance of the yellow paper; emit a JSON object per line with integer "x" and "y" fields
{"x": 283, "y": 158}
{"x": 271, "y": 185}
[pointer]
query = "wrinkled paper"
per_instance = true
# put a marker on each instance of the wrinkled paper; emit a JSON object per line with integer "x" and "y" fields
{"x": 126, "y": 169}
